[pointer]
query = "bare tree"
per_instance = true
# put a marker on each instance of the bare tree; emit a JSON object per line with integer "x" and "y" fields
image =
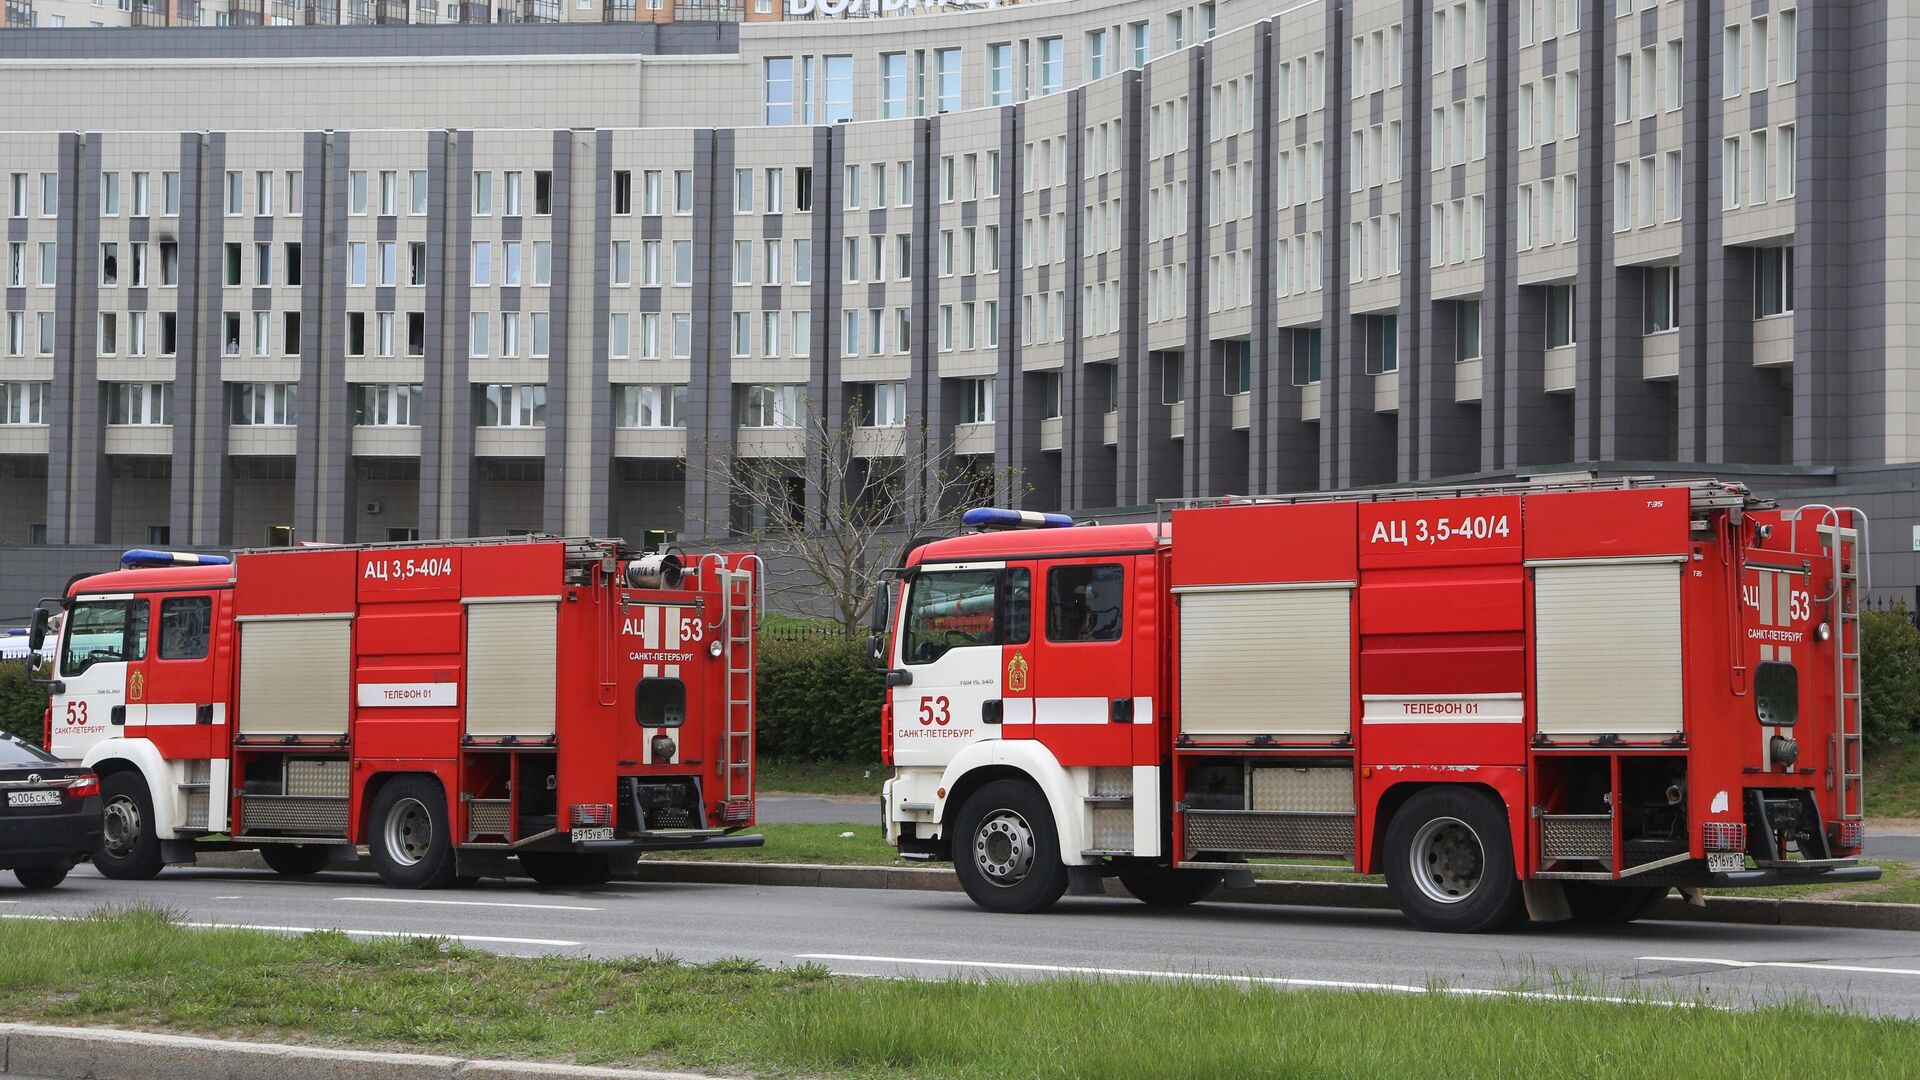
{"x": 832, "y": 506}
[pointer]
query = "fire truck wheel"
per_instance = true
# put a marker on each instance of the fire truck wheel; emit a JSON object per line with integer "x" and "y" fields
{"x": 1610, "y": 905}
{"x": 1449, "y": 863}
{"x": 1007, "y": 854}
{"x": 1162, "y": 887}
{"x": 129, "y": 850}
{"x": 412, "y": 846}
{"x": 41, "y": 878}
{"x": 564, "y": 870}
{"x": 295, "y": 860}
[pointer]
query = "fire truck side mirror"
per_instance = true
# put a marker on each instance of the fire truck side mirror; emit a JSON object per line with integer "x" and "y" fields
{"x": 37, "y": 632}
{"x": 877, "y": 649}
{"x": 898, "y": 677}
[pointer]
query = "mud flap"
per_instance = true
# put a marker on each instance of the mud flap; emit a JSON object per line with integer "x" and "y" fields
{"x": 1086, "y": 881}
{"x": 1546, "y": 901}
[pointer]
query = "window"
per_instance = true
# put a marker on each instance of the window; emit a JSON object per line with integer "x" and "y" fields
{"x": 1732, "y": 175}
{"x": 946, "y": 64}
{"x": 1051, "y": 65}
{"x": 262, "y": 333}
{"x": 185, "y": 627}
{"x": 514, "y": 183}
{"x": 619, "y": 335}
{"x": 743, "y": 191}
{"x": 17, "y": 202}
{"x": 803, "y": 189}
{"x": 23, "y": 402}
{"x": 1788, "y": 35}
{"x": 776, "y": 193}
{"x": 510, "y": 262}
{"x": 1466, "y": 329}
{"x": 542, "y": 328}
{"x": 44, "y": 345}
{"x": 417, "y": 192}
{"x": 1380, "y": 342}
{"x": 1000, "y": 74}
{"x": 620, "y": 262}
{"x": 742, "y": 333}
{"x": 682, "y": 335}
{"x": 264, "y": 404}
{"x": 1661, "y": 302}
{"x": 292, "y": 260}
{"x": 478, "y": 325}
{"x": 295, "y": 179}
{"x": 949, "y": 609}
{"x": 356, "y": 333}
{"x": 1786, "y": 178}
{"x": 773, "y": 406}
{"x": 650, "y": 407}
{"x": 542, "y": 193}
{"x": 510, "y": 334}
{"x": 143, "y": 404}
{"x": 803, "y": 262}
{"x": 976, "y": 401}
{"x": 389, "y": 192}
{"x": 514, "y": 405}
{"x": 481, "y": 262}
{"x": 1560, "y": 309}
{"x": 743, "y": 262}
{"x": 386, "y": 405}
{"x": 1733, "y": 68}
{"x": 683, "y": 262}
{"x": 110, "y": 264}
{"x": 1140, "y": 42}
{"x": 893, "y": 85}
{"x": 779, "y": 89}
{"x": 543, "y": 262}
{"x": 683, "y": 191}
{"x": 104, "y": 631}
{"x": 839, "y": 90}
{"x": 49, "y": 194}
{"x": 236, "y": 194}
{"x": 110, "y": 194}
{"x": 482, "y": 194}
{"x": 263, "y": 264}
{"x": 883, "y": 405}
{"x": 16, "y": 333}
{"x": 650, "y": 335}
{"x": 1773, "y": 281}
{"x": 108, "y": 341}
{"x": 389, "y": 263}
{"x": 1085, "y": 603}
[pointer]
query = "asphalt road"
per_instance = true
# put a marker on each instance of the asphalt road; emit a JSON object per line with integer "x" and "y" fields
{"x": 941, "y": 935}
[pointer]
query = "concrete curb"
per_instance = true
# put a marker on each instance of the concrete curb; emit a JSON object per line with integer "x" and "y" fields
{"x": 1751, "y": 910}
{"x": 69, "y": 1053}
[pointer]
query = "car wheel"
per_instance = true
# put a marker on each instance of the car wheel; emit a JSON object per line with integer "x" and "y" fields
{"x": 295, "y": 860}
{"x": 1164, "y": 887}
{"x": 129, "y": 849}
{"x": 410, "y": 840}
{"x": 1610, "y": 905}
{"x": 562, "y": 870}
{"x": 40, "y": 878}
{"x": 1006, "y": 851}
{"x": 1449, "y": 863}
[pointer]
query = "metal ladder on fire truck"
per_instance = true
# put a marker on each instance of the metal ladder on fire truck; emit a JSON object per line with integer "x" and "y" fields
{"x": 743, "y": 595}
{"x": 1703, "y": 494}
{"x": 1843, "y": 531}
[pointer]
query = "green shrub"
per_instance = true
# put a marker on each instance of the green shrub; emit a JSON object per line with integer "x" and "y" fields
{"x": 1889, "y": 674}
{"x": 819, "y": 701}
{"x": 23, "y": 702}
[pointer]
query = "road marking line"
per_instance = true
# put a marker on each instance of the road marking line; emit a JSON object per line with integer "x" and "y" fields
{"x": 337, "y": 929}
{"x": 461, "y": 903}
{"x": 1246, "y": 980}
{"x": 226, "y": 898}
{"x": 1845, "y": 968}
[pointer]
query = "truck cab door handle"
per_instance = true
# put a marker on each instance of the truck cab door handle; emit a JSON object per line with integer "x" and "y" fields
{"x": 1121, "y": 711}
{"x": 118, "y": 715}
{"x": 992, "y": 711}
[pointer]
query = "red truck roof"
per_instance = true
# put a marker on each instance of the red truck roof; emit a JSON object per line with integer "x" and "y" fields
{"x": 154, "y": 577}
{"x": 1137, "y": 538}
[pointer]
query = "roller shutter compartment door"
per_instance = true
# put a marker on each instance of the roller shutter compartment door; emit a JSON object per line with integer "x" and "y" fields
{"x": 294, "y": 676}
{"x": 1267, "y": 662}
{"x": 512, "y": 660}
{"x": 1607, "y": 657}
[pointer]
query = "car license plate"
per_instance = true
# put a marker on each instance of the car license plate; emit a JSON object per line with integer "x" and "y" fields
{"x": 1721, "y": 862}
{"x": 593, "y": 834}
{"x": 33, "y": 798}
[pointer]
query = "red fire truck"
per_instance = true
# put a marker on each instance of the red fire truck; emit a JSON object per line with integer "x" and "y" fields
{"x": 1556, "y": 697}
{"x": 448, "y": 705}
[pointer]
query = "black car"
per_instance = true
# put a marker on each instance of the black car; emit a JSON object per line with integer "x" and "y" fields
{"x": 49, "y": 813}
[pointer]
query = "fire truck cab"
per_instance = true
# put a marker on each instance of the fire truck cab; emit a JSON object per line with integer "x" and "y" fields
{"x": 455, "y": 707}
{"x": 1564, "y": 697}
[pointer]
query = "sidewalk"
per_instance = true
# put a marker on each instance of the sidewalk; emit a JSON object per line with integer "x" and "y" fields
{"x": 70, "y": 1053}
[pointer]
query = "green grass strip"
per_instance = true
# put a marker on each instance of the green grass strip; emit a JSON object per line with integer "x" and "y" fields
{"x": 138, "y": 969}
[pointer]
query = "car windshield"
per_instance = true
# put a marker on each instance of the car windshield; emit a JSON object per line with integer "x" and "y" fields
{"x": 15, "y": 752}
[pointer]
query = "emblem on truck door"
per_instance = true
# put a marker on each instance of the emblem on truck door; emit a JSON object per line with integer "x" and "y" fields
{"x": 1017, "y": 672}
{"x": 137, "y": 686}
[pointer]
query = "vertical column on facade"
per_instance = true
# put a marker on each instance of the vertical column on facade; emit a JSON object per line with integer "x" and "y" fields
{"x": 1533, "y": 428}
{"x": 1740, "y": 401}
{"x": 185, "y": 518}
{"x": 592, "y": 444}
{"x": 929, "y": 397}
{"x": 1498, "y": 309}
{"x": 1073, "y": 352}
{"x": 1336, "y": 382}
{"x": 1265, "y": 383}
{"x": 1292, "y": 443}
{"x": 1213, "y": 463}
{"x": 77, "y": 317}
{"x": 823, "y": 380}
{"x": 1618, "y": 414}
{"x": 1023, "y": 477}
{"x": 1836, "y": 142}
{"x": 323, "y": 437}
{"x": 443, "y": 383}
{"x": 710, "y": 386}
{"x": 558, "y": 469}
{"x": 1092, "y": 473}
{"x": 1144, "y": 426}
{"x": 1700, "y": 227}
{"x": 206, "y": 477}
{"x": 1425, "y": 366}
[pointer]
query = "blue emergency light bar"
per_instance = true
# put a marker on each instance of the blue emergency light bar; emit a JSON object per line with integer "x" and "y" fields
{"x": 988, "y": 517}
{"x": 141, "y": 558}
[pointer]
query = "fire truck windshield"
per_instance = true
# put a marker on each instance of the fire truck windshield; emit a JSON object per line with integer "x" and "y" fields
{"x": 954, "y": 608}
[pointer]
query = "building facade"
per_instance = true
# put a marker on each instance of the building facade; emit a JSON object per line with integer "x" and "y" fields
{"x": 362, "y": 284}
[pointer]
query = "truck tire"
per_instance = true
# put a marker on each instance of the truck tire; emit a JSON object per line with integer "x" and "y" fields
{"x": 1449, "y": 862}
{"x": 1006, "y": 850}
{"x": 1165, "y": 887}
{"x": 41, "y": 878}
{"x": 410, "y": 839}
{"x": 295, "y": 860}
{"x": 129, "y": 849}
{"x": 565, "y": 870}
{"x": 1610, "y": 905}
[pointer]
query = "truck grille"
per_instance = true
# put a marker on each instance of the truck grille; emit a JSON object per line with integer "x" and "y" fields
{"x": 300, "y": 815}
{"x": 488, "y": 817}
{"x": 1576, "y": 836}
{"x": 1258, "y": 833}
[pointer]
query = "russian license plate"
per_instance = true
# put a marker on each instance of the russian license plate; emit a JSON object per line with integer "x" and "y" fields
{"x": 593, "y": 834}
{"x": 33, "y": 798}
{"x": 1720, "y": 862}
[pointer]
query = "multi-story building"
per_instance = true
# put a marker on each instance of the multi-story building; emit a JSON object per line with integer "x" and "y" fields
{"x": 364, "y": 283}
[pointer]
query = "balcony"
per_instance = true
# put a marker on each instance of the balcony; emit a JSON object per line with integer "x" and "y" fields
{"x": 19, "y": 14}
{"x": 151, "y": 13}
{"x": 539, "y": 11}
{"x": 374, "y": 13}
{"x": 707, "y": 11}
